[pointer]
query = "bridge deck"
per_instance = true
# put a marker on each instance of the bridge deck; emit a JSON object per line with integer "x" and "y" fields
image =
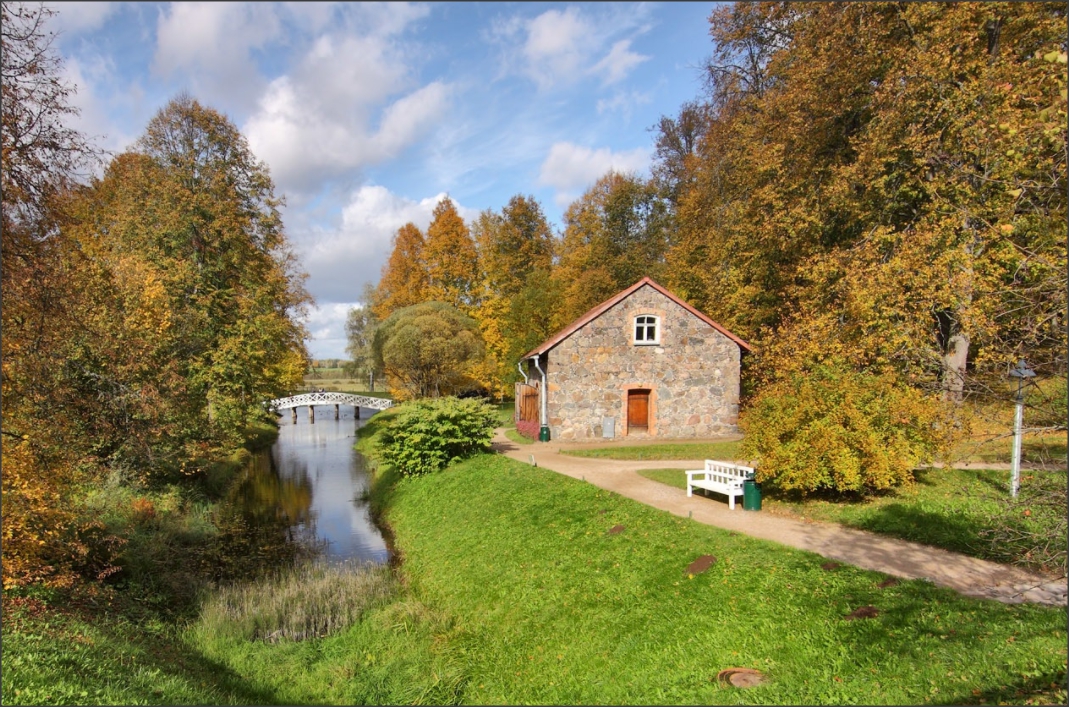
{"x": 329, "y": 398}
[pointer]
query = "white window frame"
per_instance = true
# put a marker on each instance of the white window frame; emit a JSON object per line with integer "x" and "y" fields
{"x": 649, "y": 320}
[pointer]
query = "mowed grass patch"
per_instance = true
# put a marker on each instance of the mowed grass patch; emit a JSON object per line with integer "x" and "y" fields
{"x": 724, "y": 451}
{"x": 955, "y": 509}
{"x": 516, "y": 437}
{"x": 64, "y": 657}
{"x": 549, "y": 606}
{"x": 1048, "y": 450}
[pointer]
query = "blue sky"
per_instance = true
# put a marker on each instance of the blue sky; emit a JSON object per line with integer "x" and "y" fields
{"x": 367, "y": 114}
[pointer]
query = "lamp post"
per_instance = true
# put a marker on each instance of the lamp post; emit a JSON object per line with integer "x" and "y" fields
{"x": 1020, "y": 373}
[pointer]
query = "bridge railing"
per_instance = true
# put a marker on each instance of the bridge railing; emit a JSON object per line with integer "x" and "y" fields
{"x": 329, "y": 398}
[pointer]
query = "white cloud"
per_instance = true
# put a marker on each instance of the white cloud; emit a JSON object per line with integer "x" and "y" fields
{"x": 555, "y": 45}
{"x": 618, "y": 62}
{"x": 339, "y": 261}
{"x": 623, "y": 101}
{"x": 76, "y": 17}
{"x": 326, "y": 327}
{"x": 316, "y": 122}
{"x": 408, "y": 118}
{"x": 560, "y": 47}
{"x": 210, "y": 44}
{"x": 572, "y": 168}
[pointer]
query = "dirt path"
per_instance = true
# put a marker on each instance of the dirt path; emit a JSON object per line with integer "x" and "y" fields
{"x": 967, "y": 575}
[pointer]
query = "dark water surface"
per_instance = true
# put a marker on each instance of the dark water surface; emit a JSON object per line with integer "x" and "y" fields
{"x": 315, "y": 480}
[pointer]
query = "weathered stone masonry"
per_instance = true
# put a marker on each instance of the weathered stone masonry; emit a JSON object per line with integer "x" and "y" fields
{"x": 692, "y": 373}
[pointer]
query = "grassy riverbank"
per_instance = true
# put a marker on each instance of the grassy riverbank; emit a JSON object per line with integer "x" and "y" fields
{"x": 519, "y": 585}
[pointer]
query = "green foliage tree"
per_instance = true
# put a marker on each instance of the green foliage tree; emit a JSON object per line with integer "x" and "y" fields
{"x": 426, "y": 436}
{"x": 360, "y": 326}
{"x": 428, "y": 350}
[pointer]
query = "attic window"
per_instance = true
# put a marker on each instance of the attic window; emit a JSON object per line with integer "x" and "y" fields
{"x": 647, "y": 330}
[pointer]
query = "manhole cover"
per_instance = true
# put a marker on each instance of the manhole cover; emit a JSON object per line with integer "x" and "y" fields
{"x": 863, "y": 612}
{"x": 741, "y": 677}
{"x": 616, "y": 529}
{"x": 701, "y": 564}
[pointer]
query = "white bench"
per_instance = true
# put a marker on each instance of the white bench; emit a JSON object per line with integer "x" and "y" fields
{"x": 721, "y": 477}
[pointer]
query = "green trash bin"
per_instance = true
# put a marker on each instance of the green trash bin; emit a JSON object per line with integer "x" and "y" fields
{"x": 751, "y": 495}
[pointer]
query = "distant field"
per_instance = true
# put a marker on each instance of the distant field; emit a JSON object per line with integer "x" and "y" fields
{"x": 337, "y": 380}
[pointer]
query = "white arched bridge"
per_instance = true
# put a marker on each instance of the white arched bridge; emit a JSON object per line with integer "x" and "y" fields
{"x": 326, "y": 397}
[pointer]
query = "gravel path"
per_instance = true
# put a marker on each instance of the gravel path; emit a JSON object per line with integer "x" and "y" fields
{"x": 967, "y": 575}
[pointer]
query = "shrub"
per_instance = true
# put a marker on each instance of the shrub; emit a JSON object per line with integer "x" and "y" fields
{"x": 425, "y": 436}
{"x": 840, "y": 430}
{"x": 528, "y": 428}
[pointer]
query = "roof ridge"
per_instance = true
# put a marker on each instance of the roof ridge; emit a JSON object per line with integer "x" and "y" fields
{"x": 599, "y": 309}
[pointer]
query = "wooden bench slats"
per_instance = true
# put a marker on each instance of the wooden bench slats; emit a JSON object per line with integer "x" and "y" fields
{"x": 719, "y": 477}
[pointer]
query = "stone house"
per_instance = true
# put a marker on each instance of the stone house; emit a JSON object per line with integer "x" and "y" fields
{"x": 642, "y": 363}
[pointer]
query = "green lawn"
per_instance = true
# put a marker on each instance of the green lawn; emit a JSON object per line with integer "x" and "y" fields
{"x": 519, "y": 585}
{"x": 1049, "y": 449}
{"x": 516, "y": 437}
{"x": 517, "y": 592}
{"x": 955, "y": 509}
{"x": 727, "y": 451}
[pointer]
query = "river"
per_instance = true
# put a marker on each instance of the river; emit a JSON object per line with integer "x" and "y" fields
{"x": 315, "y": 481}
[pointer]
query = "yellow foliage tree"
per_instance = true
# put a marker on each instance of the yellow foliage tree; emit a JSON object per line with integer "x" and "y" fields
{"x": 404, "y": 277}
{"x": 450, "y": 258}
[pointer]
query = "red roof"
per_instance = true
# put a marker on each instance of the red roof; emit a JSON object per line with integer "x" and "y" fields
{"x": 604, "y": 306}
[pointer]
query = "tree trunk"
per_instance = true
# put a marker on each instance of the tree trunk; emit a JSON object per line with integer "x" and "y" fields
{"x": 955, "y": 359}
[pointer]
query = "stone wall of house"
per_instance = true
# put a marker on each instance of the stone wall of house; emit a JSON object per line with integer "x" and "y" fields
{"x": 692, "y": 374}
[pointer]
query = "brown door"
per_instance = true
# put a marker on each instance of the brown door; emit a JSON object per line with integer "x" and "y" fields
{"x": 638, "y": 409}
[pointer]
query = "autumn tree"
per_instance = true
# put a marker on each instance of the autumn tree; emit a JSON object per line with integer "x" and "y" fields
{"x": 515, "y": 246}
{"x": 879, "y": 184}
{"x": 676, "y": 148}
{"x": 199, "y": 209}
{"x": 404, "y": 276}
{"x": 615, "y": 234}
{"x": 884, "y": 172}
{"x": 427, "y": 350}
{"x": 450, "y": 259}
{"x": 45, "y": 445}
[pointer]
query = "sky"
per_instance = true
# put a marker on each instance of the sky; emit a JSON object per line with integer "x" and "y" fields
{"x": 368, "y": 114}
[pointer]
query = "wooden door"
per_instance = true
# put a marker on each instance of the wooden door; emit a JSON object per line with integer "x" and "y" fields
{"x": 526, "y": 403}
{"x": 638, "y": 409}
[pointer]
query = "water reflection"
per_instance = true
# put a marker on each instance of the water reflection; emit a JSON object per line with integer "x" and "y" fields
{"x": 316, "y": 482}
{"x": 266, "y": 498}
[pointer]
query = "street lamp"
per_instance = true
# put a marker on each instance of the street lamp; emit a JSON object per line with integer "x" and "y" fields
{"x": 1020, "y": 373}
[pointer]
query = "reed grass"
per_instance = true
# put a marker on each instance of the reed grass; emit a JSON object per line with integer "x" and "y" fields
{"x": 312, "y": 600}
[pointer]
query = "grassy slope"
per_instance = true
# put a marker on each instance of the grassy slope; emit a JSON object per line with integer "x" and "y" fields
{"x": 514, "y": 591}
{"x": 556, "y": 610}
